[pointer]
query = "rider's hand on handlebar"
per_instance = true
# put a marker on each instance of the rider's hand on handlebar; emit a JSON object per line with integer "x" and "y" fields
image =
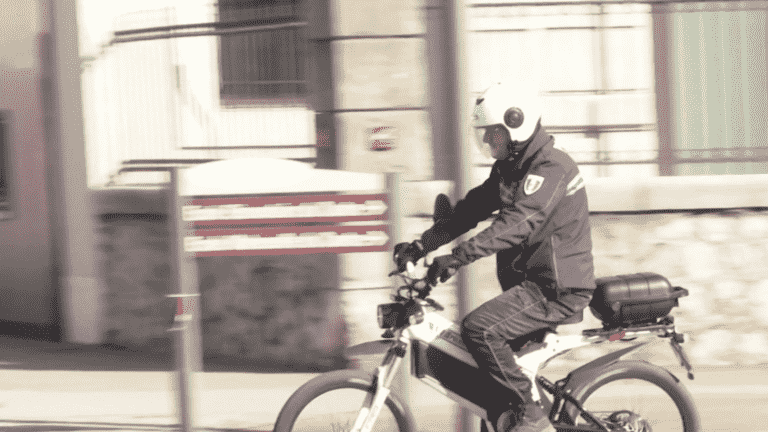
{"x": 443, "y": 267}
{"x": 408, "y": 252}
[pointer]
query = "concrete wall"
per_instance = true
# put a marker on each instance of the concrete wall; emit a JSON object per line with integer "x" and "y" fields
{"x": 718, "y": 254}
{"x": 275, "y": 311}
{"x": 706, "y": 234}
{"x": 25, "y": 238}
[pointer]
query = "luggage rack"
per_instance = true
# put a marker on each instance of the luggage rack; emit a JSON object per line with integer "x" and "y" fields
{"x": 664, "y": 328}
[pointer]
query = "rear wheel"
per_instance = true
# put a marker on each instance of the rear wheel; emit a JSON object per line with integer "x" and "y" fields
{"x": 332, "y": 401}
{"x": 637, "y": 396}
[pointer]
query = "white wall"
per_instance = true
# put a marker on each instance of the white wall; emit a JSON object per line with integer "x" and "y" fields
{"x": 134, "y": 109}
{"x": 569, "y": 65}
{"x": 160, "y": 100}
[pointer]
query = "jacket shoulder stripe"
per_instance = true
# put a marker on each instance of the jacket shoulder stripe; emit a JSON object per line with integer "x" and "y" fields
{"x": 575, "y": 185}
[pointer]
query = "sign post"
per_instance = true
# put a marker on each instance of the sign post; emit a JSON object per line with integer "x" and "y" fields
{"x": 189, "y": 356}
{"x": 396, "y": 202}
{"x": 257, "y": 207}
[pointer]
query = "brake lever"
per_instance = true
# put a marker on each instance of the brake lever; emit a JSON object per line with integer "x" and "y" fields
{"x": 409, "y": 268}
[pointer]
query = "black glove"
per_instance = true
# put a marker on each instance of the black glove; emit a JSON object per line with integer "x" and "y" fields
{"x": 408, "y": 252}
{"x": 442, "y": 267}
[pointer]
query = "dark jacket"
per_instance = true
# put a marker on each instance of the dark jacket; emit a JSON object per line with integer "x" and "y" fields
{"x": 540, "y": 235}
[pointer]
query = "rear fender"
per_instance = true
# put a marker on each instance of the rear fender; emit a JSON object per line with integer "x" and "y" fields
{"x": 590, "y": 370}
{"x": 578, "y": 379}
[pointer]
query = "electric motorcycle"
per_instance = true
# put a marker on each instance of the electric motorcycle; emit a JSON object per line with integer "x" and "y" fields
{"x": 606, "y": 394}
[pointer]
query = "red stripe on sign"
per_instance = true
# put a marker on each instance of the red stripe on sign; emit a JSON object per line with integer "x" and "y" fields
{"x": 306, "y": 251}
{"x": 287, "y": 199}
{"x": 179, "y": 306}
{"x": 272, "y": 232}
{"x": 285, "y": 221}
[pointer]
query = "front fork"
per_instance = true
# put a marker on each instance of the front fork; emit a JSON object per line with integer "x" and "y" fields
{"x": 382, "y": 382}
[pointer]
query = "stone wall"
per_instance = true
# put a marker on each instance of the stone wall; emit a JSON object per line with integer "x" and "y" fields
{"x": 282, "y": 312}
{"x": 719, "y": 256}
{"x": 289, "y": 310}
{"x": 135, "y": 266}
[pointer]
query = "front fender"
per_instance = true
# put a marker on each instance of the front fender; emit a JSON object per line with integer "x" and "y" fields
{"x": 370, "y": 348}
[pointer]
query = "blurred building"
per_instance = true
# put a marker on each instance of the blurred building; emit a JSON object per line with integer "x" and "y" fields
{"x": 606, "y": 72}
{"x": 29, "y": 302}
{"x": 194, "y": 99}
{"x": 633, "y": 91}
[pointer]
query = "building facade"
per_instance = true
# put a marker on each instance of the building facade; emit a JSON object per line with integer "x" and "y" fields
{"x": 632, "y": 92}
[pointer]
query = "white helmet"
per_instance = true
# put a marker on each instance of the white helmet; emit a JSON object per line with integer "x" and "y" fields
{"x": 515, "y": 107}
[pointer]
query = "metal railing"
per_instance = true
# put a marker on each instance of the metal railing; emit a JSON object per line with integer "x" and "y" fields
{"x": 683, "y": 125}
{"x": 159, "y": 93}
{"x": 197, "y": 127}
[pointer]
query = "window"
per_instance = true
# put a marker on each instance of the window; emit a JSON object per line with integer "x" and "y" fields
{"x": 5, "y": 206}
{"x": 262, "y": 67}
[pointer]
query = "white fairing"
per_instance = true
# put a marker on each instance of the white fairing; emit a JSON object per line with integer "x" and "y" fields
{"x": 554, "y": 345}
{"x": 530, "y": 364}
{"x": 431, "y": 328}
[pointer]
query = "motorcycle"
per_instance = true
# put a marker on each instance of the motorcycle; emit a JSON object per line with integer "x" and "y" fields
{"x": 607, "y": 394}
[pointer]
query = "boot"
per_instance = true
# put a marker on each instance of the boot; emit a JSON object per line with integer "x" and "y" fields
{"x": 530, "y": 418}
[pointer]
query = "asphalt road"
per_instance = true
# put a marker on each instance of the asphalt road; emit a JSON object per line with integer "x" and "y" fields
{"x": 33, "y": 400}
{"x": 45, "y": 387}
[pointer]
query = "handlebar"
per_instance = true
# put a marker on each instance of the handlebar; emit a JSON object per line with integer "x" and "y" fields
{"x": 420, "y": 285}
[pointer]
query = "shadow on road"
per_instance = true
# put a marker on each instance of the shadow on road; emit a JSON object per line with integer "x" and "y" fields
{"x": 16, "y": 353}
{"x": 43, "y": 426}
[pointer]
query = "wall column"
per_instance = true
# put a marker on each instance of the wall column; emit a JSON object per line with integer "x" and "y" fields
{"x": 663, "y": 53}
{"x": 72, "y": 215}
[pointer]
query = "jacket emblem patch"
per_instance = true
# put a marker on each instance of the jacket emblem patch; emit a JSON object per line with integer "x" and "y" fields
{"x": 532, "y": 184}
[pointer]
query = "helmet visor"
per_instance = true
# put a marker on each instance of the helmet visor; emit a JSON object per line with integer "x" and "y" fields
{"x": 491, "y": 140}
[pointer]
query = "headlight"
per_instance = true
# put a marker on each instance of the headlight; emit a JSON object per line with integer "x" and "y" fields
{"x": 389, "y": 315}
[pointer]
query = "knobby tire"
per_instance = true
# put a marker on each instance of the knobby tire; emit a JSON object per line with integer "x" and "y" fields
{"x": 344, "y": 379}
{"x": 636, "y": 369}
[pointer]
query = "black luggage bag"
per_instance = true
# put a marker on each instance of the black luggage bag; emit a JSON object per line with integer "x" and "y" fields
{"x": 641, "y": 298}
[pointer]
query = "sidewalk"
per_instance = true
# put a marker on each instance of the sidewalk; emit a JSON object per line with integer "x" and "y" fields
{"x": 47, "y": 387}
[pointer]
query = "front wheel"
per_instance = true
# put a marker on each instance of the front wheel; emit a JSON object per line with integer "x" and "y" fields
{"x": 636, "y": 396}
{"x": 332, "y": 401}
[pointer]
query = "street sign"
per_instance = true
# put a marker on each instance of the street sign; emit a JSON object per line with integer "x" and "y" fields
{"x": 287, "y": 209}
{"x": 270, "y": 207}
{"x": 382, "y": 138}
{"x": 287, "y": 241}
{"x": 287, "y": 225}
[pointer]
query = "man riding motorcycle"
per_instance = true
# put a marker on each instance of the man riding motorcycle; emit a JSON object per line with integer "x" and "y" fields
{"x": 541, "y": 238}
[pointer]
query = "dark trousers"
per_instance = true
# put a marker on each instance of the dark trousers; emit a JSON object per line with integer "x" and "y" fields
{"x": 516, "y": 312}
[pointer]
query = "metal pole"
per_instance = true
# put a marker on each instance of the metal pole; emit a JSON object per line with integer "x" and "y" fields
{"x": 664, "y": 64}
{"x": 458, "y": 121}
{"x": 187, "y": 324}
{"x": 397, "y": 235}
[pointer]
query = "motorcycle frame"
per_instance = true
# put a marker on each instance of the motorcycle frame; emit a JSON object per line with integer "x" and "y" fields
{"x": 441, "y": 360}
